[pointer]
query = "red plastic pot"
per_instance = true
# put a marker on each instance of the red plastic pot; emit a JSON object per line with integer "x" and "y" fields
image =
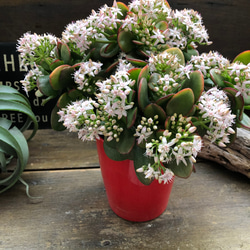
{"x": 127, "y": 196}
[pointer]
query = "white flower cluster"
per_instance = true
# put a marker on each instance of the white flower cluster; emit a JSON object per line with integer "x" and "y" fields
{"x": 79, "y": 35}
{"x": 215, "y": 109}
{"x": 182, "y": 146}
{"x": 113, "y": 93}
{"x": 146, "y": 128}
{"x": 29, "y": 81}
{"x": 240, "y": 73}
{"x": 33, "y": 48}
{"x": 171, "y": 73}
{"x": 187, "y": 28}
{"x": 207, "y": 61}
{"x": 162, "y": 174}
{"x": 86, "y": 72}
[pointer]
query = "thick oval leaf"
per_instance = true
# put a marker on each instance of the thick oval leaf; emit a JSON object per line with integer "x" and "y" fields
{"x": 143, "y": 100}
{"x": 56, "y": 64}
{"x": 61, "y": 77}
{"x": 125, "y": 39}
{"x": 161, "y": 25}
{"x": 181, "y": 103}
{"x": 134, "y": 73}
{"x": 243, "y": 57}
{"x": 144, "y": 73}
{"x": 245, "y": 122}
{"x": 65, "y": 53}
{"x": 126, "y": 142}
{"x": 140, "y": 160}
{"x": 113, "y": 154}
{"x": 239, "y": 101}
{"x": 123, "y": 8}
{"x": 163, "y": 101}
{"x": 153, "y": 109}
{"x": 43, "y": 84}
{"x": 181, "y": 170}
{"x": 136, "y": 62}
{"x": 217, "y": 78}
{"x": 177, "y": 52}
{"x": 63, "y": 100}
{"x": 131, "y": 117}
{"x": 109, "y": 50}
{"x": 54, "y": 117}
{"x": 196, "y": 83}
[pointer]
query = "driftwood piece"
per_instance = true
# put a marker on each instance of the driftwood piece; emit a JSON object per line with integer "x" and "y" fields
{"x": 235, "y": 158}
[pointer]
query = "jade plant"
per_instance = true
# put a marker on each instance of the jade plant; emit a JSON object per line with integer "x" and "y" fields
{"x": 13, "y": 144}
{"x": 133, "y": 76}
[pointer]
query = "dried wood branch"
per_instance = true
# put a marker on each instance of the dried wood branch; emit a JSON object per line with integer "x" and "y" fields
{"x": 235, "y": 158}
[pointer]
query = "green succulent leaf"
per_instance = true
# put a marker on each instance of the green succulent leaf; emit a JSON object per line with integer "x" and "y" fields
{"x": 196, "y": 83}
{"x": 181, "y": 103}
{"x": 239, "y": 101}
{"x": 189, "y": 53}
{"x": 134, "y": 73}
{"x": 141, "y": 161}
{"x": 181, "y": 170}
{"x": 162, "y": 25}
{"x": 65, "y": 53}
{"x": 109, "y": 50}
{"x": 61, "y": 77}
{"x": 43, "y": 84}
{"x": 217, "y": 78}
{"x": 56, "y": 63}
{"x": 153, "y": 109}
{"x": 125, "y": 39}
{"x": 126, "y": 142}
{"x": 163, "y": 101}
{"x": 143, "y": 100}
{"x": 54, "y": 117}
{"x": 136, "y": 62}
{"x": 123, "y": 8}
{"x": 177, "y": 52}
{"x": 131, "y": 117}
{"x": 113, "y": 154}
{"x": 243, "y": 57}
{"x": 144, "y": 73}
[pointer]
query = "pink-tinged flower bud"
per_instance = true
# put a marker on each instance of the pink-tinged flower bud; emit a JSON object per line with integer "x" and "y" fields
{"x": 192, "y": 129}
{"x": 221, "y": 144}
{"x": 192, "y": 159}
{"x": 140, "y": 170}
{"x": 230, "y": 130}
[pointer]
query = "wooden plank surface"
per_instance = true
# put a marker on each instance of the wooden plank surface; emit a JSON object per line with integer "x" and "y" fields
{"x": 60, "y": 150}
{"x": 210, "y": 210}
{"x": 227, "y": 21}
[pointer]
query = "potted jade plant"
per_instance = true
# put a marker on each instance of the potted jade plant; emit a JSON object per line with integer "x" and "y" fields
{"x": 13, "y": 144}
{"x": 131, "y": 78}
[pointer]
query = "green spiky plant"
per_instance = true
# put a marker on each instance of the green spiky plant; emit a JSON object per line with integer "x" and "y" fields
{"x": 133, "y": 75}
{"x": 13, "y": 144}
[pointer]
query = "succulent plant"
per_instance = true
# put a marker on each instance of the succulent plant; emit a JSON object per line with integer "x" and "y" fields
{"x": 133, "y": 75}
{"x": 13, "y": 144}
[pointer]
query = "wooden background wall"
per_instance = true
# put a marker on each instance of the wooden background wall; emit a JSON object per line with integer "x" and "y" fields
{"x": 227, "y": 21}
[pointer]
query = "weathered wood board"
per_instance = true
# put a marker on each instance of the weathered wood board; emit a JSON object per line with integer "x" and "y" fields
{"x": 210, "y": 210}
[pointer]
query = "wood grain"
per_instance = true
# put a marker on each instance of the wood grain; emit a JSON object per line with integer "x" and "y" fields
{"x": 210, "y": 210}
{"x": 227, "y": 22}
{"x": 60, "y": 150}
